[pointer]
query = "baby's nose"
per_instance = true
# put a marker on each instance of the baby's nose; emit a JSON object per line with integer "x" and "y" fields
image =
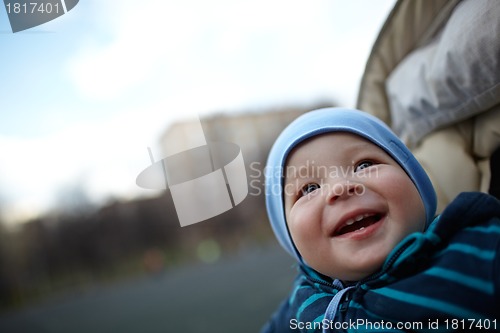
{"x": 343, "y": 190}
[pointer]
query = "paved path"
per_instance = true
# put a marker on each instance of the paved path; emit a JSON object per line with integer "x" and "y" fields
{"x": 236, "y": 294}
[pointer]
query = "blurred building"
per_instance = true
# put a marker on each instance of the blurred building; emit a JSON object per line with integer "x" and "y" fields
{"x": 253, "y": 132}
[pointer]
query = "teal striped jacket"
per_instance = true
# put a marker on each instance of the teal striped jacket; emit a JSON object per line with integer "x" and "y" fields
{"x": 445, "y": 279}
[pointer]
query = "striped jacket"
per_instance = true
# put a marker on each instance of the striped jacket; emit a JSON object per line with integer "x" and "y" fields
{"x": 445, "y": 279}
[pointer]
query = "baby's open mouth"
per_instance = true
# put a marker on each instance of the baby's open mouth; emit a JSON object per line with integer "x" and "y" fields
{"x": 358, "y": 223}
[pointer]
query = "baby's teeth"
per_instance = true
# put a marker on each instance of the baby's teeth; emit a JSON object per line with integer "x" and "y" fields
{"x": 356, "y": 219}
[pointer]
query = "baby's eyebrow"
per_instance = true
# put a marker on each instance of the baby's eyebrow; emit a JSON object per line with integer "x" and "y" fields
{"x": 359, "y": 146}
{"x": 294, "y": 171}
{"x": 288, "y": 177}
{"x": 302, "y": 174}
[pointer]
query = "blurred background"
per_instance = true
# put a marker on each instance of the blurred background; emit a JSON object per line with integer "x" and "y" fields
{"x": 82, "y": 247}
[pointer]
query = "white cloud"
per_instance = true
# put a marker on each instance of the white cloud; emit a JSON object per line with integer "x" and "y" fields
{"x": 103, "y": 157}
{"x": 173, "y": 46}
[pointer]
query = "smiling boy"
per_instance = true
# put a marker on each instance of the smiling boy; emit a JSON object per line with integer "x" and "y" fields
{"x": 357, "y": 212}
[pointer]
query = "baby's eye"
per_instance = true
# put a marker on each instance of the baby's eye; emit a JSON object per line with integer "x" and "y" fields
{"x": 308, "y": 188}
{"x": 363, "y": 165}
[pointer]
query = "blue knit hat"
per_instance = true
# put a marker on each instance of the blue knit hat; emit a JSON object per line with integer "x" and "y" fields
{"x": 336, "y": 120}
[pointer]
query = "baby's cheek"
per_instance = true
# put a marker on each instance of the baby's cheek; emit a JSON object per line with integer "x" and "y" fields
{"x": 394, "y": 181}
{"x": 303, "y": 227}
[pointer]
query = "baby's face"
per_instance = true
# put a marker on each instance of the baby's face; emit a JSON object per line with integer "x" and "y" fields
{"x": 348, "y": 204}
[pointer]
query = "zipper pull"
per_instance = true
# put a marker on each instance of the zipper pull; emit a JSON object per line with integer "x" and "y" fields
{"x": 345, "y": 303}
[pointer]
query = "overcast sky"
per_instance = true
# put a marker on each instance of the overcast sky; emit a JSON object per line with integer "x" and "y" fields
{"x": 83, "y": 96}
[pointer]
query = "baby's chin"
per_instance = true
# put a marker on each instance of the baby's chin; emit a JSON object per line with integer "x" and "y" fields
{"x": 351, "y": 269}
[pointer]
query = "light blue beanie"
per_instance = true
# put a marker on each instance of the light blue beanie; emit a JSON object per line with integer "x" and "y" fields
{"x": 336, "y": 120}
